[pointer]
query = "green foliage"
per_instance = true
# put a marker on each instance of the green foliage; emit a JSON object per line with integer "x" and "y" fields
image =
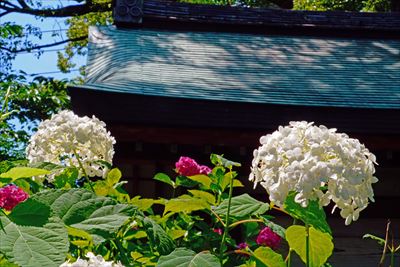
{"x": 33, "y": 246}
{"x": 265, "y": 256}
{"x": 345, "y": 5}
{"x": 189, "y": 258}
{"x": 23, "y": 172}
{"x": 185, "y": 204}
{"x": 243, "y": 206}
{"x": 32, "y": 101}
{"x": 158, "y": 237}
{"x": 313, "y": 214}
{"x": 320, "y": 248}
{"x": 84, "y": 210}
{"x": 30, "y": 213}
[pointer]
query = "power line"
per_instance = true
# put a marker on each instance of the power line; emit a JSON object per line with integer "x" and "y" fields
{"x": 52, "y": 72}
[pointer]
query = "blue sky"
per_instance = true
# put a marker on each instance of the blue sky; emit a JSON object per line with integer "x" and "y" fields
{"x": 46, "y": 64}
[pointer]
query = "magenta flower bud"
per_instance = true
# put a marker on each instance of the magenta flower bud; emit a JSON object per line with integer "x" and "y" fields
{"x": 187, "y": 166}
{"x": 268, "y": 238}
{"x": 11, "y": 195}
{"x": 205, "y": 170}
{"x": 218, "y": 231}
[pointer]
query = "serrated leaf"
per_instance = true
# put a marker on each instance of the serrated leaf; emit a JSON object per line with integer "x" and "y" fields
{"x": 210, "y": 198}
{"x": 158, "y": 237}
{"x": 82, "y": 209}
{"x": 114, "y": 176}
{"x": 30, "y": 212}
{"x": 162, "y": 177}
{"x": 183, "y": 257}
{"x": 242, "y": 206}
{"x": 185, "y": 204}
{"x": 31, "y": 246}
{"x": 23, "y": 172}
{"x": 313, "y": 214}
{"x": 320, "y": 248}
{"x": 202, "y": 179}
{"x": 268, "y": 257}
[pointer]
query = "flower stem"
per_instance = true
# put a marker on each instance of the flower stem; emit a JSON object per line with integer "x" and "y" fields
{"x": 83, "y": 170}
{"x": 226, "y": 228}
{"x": 307, "y": 245}
{"x": 288, "y": 259}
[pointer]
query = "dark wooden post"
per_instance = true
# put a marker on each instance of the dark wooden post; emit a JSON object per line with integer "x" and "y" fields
{"x": 128, "y": 11}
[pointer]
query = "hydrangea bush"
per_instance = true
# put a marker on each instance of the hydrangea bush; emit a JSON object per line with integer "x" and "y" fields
{"x": 319, "y": 164}
{"x": 77, "y": 213}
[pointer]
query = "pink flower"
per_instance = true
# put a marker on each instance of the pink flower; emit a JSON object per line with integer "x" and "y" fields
{"x": 242, "y": 245}
{"x": 218, "y": 231}
{"x": 205, "y": 170}
{"x": 10, "y": 196}
{"x": 268, "y": 238}
{"x": 188, "y": 167}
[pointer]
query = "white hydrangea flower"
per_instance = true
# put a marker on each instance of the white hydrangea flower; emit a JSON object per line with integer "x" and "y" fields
{"x": 93, "y": 261}
{"x": 64, "y": 137}
{"x": 306, "y": 159}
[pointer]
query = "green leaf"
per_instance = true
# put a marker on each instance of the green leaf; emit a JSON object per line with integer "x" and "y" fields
{"x": 23, "y": 172}
{"x": 158, "y": 237}
{"x": 220, "y": 160}
{"x": 142, "y": 203}
{"x": 202, "y": 179}
{"x": 47, "y": 166}
{"x": 66, "y": 177}
{"x": 102, "y": 188}
{"x": 31, "y": 246}
{"x": 114, "y": 176}
{"x": 185, "y": 181}
{"x": 185, "y": 204}
{"x": 210, "y": 198}
{"x": 313, "y": 214}
{"x": 184, "y": 257}
{"x": 237, "y": 183}
{"x": 268, "y": 257}
{"x": 162, "y": 177}
{"x": 321, "y": 245}
{"x": 82, "y": 209}
{"x": 75, "y": 232}
{"x": 176, "y": 233}
{"x": 106, "y": 220}
{"x": 378, "y": 239}
{"x": 242, "y": 206}
{"x": 30, "y": 212}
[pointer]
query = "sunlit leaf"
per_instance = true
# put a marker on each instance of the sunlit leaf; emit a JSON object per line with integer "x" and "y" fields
{"x": 320, "y": 248}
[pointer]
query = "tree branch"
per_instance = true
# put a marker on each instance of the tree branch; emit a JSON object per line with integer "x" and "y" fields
{"x": 23, "y": 4}
{"x": 67, "y": 11}
{"x": 42, "y": 46}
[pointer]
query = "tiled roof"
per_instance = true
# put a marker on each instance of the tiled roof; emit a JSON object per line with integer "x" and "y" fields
{"x": 128, "y": 11}
{"x": 303, "y": 71}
